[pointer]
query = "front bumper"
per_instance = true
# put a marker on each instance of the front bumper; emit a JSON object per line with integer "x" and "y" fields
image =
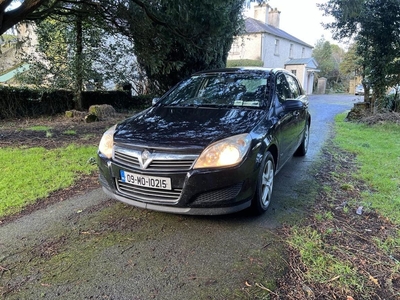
{"x": 198, "y": 192}
{"x": 180, "y": 210}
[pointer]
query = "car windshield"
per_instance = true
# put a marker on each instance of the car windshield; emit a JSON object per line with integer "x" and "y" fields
{"x": 219, "y": 90}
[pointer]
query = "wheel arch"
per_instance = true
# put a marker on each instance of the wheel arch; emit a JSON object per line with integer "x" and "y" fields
{"x": 273, "y": 149}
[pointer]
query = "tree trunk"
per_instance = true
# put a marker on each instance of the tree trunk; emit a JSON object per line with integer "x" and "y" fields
{"x": 11, "y": 17}
{"x": 78, "y": 64}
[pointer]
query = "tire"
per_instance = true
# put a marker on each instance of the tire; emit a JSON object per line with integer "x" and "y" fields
{"x": 265, "y": 183}
{"x": 303, "y": 148}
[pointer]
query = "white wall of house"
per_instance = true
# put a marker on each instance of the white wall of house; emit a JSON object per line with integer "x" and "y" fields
{"x": 299, "y": 71}
{"x": 277, "y": 51}
{"x": 273, "y": 50}
{"x": 274, "y": 47}
{"x": 262, "y": 46}
{"x": 305, "y": 74}
{"x": 246, "y": 46}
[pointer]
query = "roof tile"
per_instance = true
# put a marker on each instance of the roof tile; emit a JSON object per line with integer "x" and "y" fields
{"x": 256, "y": 26}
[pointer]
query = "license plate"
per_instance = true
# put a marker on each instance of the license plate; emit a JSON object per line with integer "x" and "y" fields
{"x": 163, "y": 183}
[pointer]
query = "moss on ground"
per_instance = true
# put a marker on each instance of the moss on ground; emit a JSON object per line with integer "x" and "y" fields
{"x": 99, "y": 250}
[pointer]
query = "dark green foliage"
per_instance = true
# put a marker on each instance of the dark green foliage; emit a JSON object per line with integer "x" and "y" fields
{"x": 352, "y": 62}
{"x": 184, "y": 36}
{"x": 346, "y": 16}
{"x": 23, "y": 102}
{"x": 376, "y": 26}
{"x": 379, "y": 42}
{"x": 323, "y": 55}
{"x": 329, "y": 57}
{"x": 172, "y": 39}
{"x": 141, "y": 102}
{"x": 244, "y": 63}
{"x": 391, "y": 102}
{"x": 120, "y": 100}
{"x": 68, "y": 46}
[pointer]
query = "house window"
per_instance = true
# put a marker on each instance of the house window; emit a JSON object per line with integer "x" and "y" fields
{"x": 291, "y": 51}
{"x": 276, "y": 47}
{"x": 294, "y": 72}
{"x": 303, "y": 51}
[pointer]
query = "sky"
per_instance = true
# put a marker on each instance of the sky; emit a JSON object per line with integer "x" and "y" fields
{"x": 302, "y": 19}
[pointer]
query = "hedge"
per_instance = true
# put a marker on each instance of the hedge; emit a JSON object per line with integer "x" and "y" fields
{"x": 25, "y": 102}
{"x": 120, "y": 100}
{"x": 244, "y": 63}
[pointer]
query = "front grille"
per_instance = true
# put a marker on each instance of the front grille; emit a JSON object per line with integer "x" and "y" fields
{"x": 148, "y": 195}
{"x": 163, "y": 162}
{"x": 150, "y": 164}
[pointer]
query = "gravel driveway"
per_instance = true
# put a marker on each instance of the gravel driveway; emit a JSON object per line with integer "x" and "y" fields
{"x": 90, "y": 247}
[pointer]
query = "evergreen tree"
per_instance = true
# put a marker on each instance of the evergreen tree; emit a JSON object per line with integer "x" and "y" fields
{"x": 173, "y": 39}
{"x": 375, "y": 24}
{"x": 329, "y": 58}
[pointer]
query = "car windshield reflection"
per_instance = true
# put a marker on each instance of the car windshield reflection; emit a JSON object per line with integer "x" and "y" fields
{"x": 219, "y": 91}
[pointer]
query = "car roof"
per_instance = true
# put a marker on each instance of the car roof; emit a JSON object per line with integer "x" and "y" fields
{"x": 236, "y": 70}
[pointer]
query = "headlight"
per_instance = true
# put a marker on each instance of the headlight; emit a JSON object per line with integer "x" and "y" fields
{"x": 107, "y": 142}
{"x": 226, "y": 152}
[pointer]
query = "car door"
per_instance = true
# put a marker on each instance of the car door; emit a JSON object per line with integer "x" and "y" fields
{"x": 286, "y": 125}
{"x": 300, "y": 114}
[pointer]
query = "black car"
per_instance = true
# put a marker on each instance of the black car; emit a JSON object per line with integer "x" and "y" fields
{"x": 211, "y": 145}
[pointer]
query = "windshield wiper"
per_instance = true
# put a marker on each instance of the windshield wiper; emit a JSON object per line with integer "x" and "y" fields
{"x": 212, "y": 105}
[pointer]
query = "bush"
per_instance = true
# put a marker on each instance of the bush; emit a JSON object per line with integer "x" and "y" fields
{"x": 120, "y": 100}
{"x": 391, "y": 102}
{"x": 25, "y": 102}
{"x": 102, "y": 111}
{"x": 244, "y": 63}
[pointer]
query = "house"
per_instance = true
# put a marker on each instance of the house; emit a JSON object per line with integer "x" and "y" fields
{"x": 304, "y": 69}
{"x": 263, "y": 40}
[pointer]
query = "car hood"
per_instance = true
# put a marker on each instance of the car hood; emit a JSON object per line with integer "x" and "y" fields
{"x": 178, "y": 127}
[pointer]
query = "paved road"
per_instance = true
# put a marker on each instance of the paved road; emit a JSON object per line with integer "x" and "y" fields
{"x": 323, "y": 109}
{"x": 90, "y": 247}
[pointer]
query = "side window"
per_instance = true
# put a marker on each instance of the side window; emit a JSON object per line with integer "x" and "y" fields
{"x": 294, "y": 87}
{"x": 282, "y": 88}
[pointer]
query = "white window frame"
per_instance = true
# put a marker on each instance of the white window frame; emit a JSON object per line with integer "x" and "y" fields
{"x": 276, "y": 50}
{"x": 291, "y": 51}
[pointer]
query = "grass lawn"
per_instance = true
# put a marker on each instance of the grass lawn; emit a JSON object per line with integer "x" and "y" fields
{"x": 30, "y": 174}
{"x": 350, "y": 246}
{"x": 377, "y": 149}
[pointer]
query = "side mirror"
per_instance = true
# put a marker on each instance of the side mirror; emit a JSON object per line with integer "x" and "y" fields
{"x": 292, "y": 105}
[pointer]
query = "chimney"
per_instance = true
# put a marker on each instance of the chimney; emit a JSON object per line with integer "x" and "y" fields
{"x": 261, "y": 12}
{"x": 274, "y": 17}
